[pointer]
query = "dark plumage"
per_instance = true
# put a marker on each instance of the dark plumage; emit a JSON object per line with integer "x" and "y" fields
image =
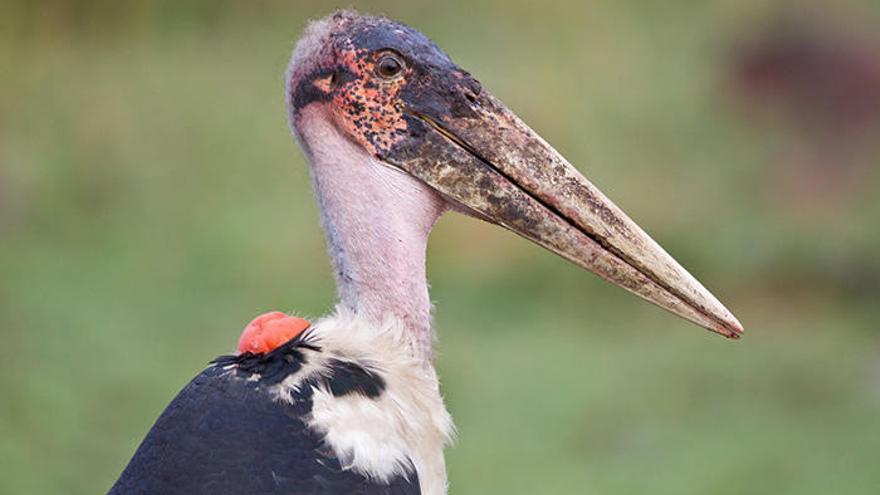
{"x": 227, "y": 433}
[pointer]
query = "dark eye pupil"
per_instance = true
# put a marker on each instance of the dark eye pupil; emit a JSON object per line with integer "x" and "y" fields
{"x": 389, "y": 66}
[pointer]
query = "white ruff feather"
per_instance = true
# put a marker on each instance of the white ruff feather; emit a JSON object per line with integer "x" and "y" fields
{"x": 406, "y": 427}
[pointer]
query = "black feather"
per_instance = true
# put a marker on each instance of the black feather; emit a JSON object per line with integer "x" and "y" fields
{"x": 226, "y": 433}
{"x": 347, "y": 378}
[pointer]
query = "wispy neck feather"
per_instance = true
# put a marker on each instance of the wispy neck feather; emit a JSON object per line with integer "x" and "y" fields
{"x": 377, "y": 221}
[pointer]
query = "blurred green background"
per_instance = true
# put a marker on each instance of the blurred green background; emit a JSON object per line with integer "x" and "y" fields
{"x": 152, "y": 202}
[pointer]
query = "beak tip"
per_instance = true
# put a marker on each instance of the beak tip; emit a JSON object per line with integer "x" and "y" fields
{"x": 732, "y": 329}
{"x": 734, "y": 336}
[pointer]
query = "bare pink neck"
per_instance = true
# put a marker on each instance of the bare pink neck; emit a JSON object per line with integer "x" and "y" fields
{"x": 377, "y": 221}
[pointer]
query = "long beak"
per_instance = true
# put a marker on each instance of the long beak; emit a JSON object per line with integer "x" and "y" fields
{"x": 493, "y": 164}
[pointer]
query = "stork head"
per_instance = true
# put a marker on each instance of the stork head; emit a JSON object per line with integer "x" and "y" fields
{"x": 400, "y": 101}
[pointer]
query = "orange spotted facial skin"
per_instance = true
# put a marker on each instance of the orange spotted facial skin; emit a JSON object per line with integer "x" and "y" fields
{"x": 347, "y": 82}
{"x": 367, "y": 106}
{"x": 375, "y": 108}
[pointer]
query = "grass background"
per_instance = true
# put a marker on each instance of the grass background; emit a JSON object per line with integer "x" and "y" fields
{"x": 152, "y": 202}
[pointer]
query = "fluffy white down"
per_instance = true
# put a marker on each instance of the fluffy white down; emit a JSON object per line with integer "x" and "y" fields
{"x": 378, "y": 437}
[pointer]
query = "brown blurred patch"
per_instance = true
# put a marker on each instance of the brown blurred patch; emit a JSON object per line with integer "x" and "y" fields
{"x": 812, "y": 78}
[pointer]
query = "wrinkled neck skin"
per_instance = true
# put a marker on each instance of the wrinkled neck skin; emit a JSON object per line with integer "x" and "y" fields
{"x": 377, "y": 221}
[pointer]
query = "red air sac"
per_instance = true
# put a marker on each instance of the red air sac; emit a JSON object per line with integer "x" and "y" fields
{"x": 269, "y": 331}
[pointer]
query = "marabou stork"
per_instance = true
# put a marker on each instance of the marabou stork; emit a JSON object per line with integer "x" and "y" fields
{"x": 396, "y": 135}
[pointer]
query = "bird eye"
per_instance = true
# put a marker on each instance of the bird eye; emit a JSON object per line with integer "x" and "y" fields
{"x": 389, "y": 66}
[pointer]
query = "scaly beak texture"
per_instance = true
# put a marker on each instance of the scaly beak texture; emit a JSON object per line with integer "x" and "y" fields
{"x": 495, "y": 165}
